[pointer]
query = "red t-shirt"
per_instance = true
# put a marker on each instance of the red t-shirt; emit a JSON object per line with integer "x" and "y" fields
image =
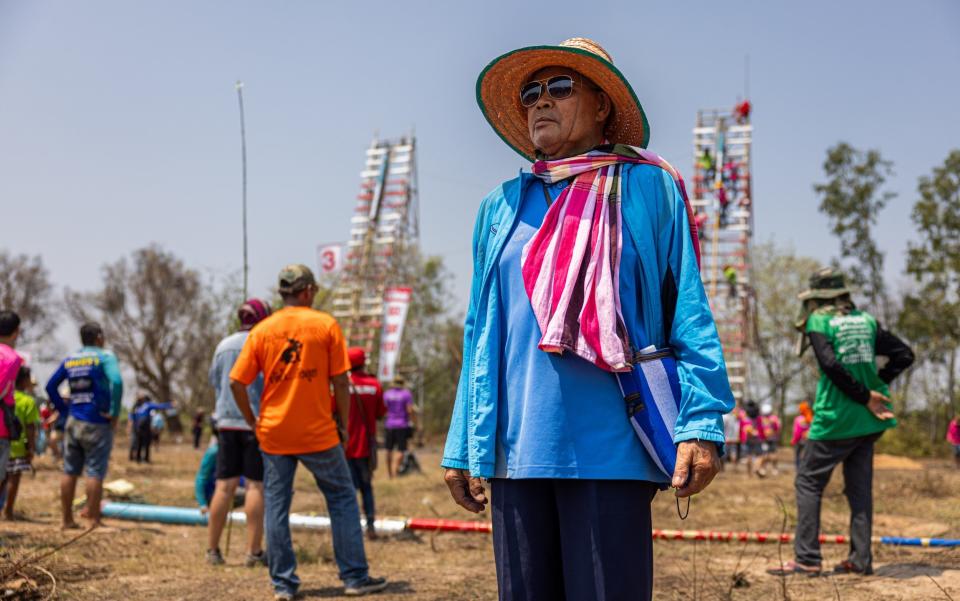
{"x": 367, "y": 389}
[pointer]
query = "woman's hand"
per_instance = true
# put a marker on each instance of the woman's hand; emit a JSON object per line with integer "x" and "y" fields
{"x": 697, "y": 464}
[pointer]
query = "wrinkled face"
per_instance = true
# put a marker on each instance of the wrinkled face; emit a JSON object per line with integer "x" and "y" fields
{"x": 569, "y": 126}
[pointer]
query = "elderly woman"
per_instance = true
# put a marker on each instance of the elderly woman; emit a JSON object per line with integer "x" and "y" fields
{"x": 577, "y": 267}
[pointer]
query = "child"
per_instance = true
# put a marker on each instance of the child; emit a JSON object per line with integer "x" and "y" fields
{"x": 22, "y": 449}
{"x": 770, "y": 431}
{"x": 801, "y": 429}
{"x": 751, "y": 437}
{"x": 953, "y": 437}
{"x": 157, "y": 425}
{"x": 48, "y": 416}
{"x": 205, "y": 481}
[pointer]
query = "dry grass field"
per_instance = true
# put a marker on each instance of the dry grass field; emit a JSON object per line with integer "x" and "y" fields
{"x": 154, "y": 562}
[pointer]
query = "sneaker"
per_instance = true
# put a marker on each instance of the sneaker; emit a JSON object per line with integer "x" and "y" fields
{"x": 214, "y": 557}
{"x": 284, "y": 596}
{"x": 258, "y": 559}
{"x": 365, "y": 587}
{"x": 848, "y": 567}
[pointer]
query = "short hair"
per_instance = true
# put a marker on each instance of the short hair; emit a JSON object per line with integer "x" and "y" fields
{"x": 9, "y": 322}
{"x": 89, "y": 333}
{"x": 23, "y": 376}
{"x": 289, "y": 296}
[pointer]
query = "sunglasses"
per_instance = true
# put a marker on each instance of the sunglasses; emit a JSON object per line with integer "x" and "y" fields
{"x": 558, "y": 88}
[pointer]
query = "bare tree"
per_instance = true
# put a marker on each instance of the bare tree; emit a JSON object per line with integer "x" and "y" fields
{"x": 25, "y": 288}
{"x": 161, "y": 319}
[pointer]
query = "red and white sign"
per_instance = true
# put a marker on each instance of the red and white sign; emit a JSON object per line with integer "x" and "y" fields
{"x": 330, "y": 258}
{"x": 396, "y": 301}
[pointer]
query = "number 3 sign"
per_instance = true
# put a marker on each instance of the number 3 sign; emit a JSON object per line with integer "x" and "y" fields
{"x": 330, "y": 258}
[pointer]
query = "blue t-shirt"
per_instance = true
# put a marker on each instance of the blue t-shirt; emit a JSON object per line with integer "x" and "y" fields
{"x": 558, "y": 416}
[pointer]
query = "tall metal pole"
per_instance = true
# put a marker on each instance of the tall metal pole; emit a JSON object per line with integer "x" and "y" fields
{"x": 243, "y": 157}
{"x": 746, "y": 77}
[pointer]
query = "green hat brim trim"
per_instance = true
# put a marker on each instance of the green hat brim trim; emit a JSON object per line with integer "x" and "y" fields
{"x": 603, "y": 62}
{"x": 824, "y": 293}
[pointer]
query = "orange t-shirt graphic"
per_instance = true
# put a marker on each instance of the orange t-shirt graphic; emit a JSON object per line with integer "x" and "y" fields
{"x": 298, "y": 350}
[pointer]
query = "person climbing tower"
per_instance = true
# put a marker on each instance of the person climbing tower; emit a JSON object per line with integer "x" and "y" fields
{"x": 730, "y": 274}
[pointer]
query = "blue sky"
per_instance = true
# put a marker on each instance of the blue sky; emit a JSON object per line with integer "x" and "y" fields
{"x": 119, "y": 123}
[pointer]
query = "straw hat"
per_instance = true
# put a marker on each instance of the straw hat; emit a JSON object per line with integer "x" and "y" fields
{"x": 498, "y": 92}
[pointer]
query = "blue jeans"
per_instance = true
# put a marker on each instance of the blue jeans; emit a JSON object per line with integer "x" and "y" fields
{"x": 329, "y": 469}
{"x": 360, "y": 471}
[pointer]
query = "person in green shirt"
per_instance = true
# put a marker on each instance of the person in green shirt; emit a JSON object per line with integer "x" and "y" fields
{"x": 22, "y": 449}
{"x": 850, "y": 413}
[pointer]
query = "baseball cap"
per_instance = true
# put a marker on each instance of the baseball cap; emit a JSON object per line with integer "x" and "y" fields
{"x": 294, "y": 278}
{"x": 357, "y": 356}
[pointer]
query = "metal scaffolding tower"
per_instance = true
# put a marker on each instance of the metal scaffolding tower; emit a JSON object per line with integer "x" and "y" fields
{"x": 723, "y": 203}
{"x": 384, "y": 228}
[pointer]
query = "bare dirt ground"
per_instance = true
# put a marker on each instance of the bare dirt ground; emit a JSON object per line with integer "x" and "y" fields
{"x": 153, "y": 562}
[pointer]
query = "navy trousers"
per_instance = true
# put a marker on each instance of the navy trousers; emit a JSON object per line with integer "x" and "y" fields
{"x": 573, "y": 540}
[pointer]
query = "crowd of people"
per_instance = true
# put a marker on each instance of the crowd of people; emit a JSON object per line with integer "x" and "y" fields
{"x": 752, "y": 435}
{"x": 267, "y": 378}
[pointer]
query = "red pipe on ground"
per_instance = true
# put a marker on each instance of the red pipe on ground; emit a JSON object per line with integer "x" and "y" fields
{"x": 448, "y": 525}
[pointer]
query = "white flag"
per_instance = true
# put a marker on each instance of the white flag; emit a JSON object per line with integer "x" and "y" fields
{"x": 396, "y": 301}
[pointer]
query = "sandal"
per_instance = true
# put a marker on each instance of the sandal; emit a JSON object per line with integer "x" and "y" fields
{"x": 792, "y": 567}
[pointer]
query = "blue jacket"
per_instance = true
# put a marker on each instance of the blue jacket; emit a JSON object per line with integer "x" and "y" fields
{"x": 145, "y": 411}
{"x": 205, "y": 481}
{"x": 656, "y": 224}
{"x": 95, "y": 385}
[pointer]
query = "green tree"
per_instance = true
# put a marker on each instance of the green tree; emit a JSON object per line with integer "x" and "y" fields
{"x": 162, "y": 320}
{"x": 852, "y": 198}
{"x": 431, "y": 346}
{"x": 931, "y": 315}
{"x": 778, "y": 275}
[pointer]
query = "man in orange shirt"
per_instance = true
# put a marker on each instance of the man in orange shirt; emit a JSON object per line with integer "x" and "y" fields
{"x": 300, "y": 352}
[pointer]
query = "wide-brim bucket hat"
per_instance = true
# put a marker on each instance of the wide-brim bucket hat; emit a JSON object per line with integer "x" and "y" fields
{"x": 498, "y": 92}
{"x": 825, "y": 284}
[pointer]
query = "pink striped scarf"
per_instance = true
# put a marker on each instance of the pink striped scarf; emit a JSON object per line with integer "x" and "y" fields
{"x": 571, "y": 266}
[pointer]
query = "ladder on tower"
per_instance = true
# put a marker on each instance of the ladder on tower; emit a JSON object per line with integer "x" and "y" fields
{"x": 384, "y": 226}
{"x": 723, "y": 204}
